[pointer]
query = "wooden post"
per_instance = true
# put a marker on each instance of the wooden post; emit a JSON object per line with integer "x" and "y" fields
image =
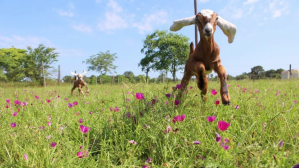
{"x": 112, "y": 80}
{"x": 195, "y": 11}
{"x": 59, "y": 75}
{"x": 44, "y": 74}
{"x": 118, "y": 79}
{"x": 100, "y": 80}
{"x": 290, "y": 71}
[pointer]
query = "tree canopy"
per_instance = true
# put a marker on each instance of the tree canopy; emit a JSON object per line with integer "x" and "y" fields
{"x": 20, "y": 64}
{"x": 102, "y": 62}
{"x": 164, "y": 51}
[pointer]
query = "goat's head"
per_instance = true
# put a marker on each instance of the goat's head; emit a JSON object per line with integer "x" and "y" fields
{"x": 80, "y": 76}
{"x": 206, "y": 21}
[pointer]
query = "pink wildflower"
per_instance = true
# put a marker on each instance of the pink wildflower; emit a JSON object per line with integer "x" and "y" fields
{"x": 211, "y": 118}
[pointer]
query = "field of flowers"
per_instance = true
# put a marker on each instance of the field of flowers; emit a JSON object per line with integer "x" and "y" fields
{"x": 140, "y": 125}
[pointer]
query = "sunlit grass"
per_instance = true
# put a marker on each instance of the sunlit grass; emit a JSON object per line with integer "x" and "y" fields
{"x": 268, "y": 114}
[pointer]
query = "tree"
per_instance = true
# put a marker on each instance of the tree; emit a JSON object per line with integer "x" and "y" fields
{"x": 33, "y": 63}
{"x": 67, "y": 79}
{"x": 279, "y": 70}
{"x": 102, "y": 62}
{"x": 257, "y": 72}
{"x": 270, "y": 72}
{"x": 12, "y": 64}
{"x": 121, "y": 78}
{"x": 140, "y": 78}
{"x": 164, "y": 51}
{"x": 229, "y": 77}
{"x": 146, "y": 66}
{"x": 129, "y": 75}
{"x": 242, "y": 77}
{"x": 2, "y": 76}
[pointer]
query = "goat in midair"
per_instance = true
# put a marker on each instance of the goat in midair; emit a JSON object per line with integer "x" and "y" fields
{"x": 79, "y": 83}
{"x": 205, "y": 57}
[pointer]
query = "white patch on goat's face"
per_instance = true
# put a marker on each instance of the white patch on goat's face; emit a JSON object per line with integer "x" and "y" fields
{"x": 208, "y": 28}
{"x": 207, "y": 12}
{"x": 80, "y": 76}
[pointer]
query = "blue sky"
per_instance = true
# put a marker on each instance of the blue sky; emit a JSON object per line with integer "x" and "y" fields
{"x": 267, "y": 30}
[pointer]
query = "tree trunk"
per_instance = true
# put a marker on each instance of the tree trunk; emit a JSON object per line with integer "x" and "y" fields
{"x": 146, "y": 75}
{"x": 173, "y": 74}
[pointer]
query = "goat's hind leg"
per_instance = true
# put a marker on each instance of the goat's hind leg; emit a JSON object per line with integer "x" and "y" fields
{"x": 72, "y": 92}
{"x": 220, "y": 70}
{"x": 202, "y": 81}
{"x": 87, "y": 90}
{"x": 80, "y": 90}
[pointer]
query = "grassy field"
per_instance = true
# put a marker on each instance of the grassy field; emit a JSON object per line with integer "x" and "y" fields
{"x": 42, "y": 128}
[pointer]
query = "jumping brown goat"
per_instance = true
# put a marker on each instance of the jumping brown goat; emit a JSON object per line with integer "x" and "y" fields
{"x": 205, "y": 57}
{"x": 79, "y": 83}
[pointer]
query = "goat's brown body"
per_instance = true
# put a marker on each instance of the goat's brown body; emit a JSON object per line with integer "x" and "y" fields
{"x": 79, "y": 84}
{"x": 204, "y": 58}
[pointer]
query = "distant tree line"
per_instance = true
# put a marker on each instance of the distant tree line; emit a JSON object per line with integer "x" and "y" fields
{"x": 257, "y": 72}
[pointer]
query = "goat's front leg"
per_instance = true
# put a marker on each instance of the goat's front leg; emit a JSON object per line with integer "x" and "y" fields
{"x": 202, "y": 80}
{"x": 184, "y": 83}
{"x": 87, "y": 90}
{"x": 220, "y": 70}
{"x": 72, "y": 92}
{"x": 80, "y": 90}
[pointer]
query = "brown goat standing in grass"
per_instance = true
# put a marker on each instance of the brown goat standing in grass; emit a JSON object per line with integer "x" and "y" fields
{"x": 205, "y": 57}
{"x": 79, "y": 83}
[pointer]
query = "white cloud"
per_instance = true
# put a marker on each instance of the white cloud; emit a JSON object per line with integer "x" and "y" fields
{"x": 203, "y": 1}
{"x": 65, "y": 13}
{"x": 22, "y": 42}
{"x": 278, "y": 8}
{"x": 277, "y": 13}
{"x": 149, "y": 21}
{"x": 114, "y": 5}
{"x": 83, "y": 28}
{"x": 71, "y": 5}
{"x": 113, "y": 19}
{"x": 232, "y": 10}
{"x": 250, "y": 2}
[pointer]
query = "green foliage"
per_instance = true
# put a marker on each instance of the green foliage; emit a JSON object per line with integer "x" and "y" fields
{"x": 242, "y": 77}
{"x": 229, "y": 77}
{"x": 130, "y": 76}
{"x": 12, "y": 63}
{"x": 2, "y": 76}
{"x": 257, "y": 72}
{"x": 67, "y": 79}
{"x": 102, "y": 62}
{"x": 164, "y": 51}
{"x": 121, "y": 79}
{"x": 34, "y": 59}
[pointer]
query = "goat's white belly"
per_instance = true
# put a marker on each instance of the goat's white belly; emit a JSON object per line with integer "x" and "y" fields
{"x": 208, "y": 72}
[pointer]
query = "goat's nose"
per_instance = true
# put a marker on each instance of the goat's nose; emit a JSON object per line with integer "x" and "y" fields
{"x": 208, "y": 30}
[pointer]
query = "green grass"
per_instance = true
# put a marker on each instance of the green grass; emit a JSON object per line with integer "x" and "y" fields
{"x": 254, "y": 134}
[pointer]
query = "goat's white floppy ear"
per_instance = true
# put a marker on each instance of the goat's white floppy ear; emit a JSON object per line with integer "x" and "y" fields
{"x": 73, "y": 73}
{"x": 228, "y": 28}
{"x": 84, "y": 72}
{"x": 178, "y": 24}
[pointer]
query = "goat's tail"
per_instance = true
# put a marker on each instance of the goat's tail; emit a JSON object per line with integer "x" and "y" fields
{"x": 191, "y": 48}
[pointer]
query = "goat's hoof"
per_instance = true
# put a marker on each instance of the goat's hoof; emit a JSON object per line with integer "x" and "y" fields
{"x": 226, "y": 102}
